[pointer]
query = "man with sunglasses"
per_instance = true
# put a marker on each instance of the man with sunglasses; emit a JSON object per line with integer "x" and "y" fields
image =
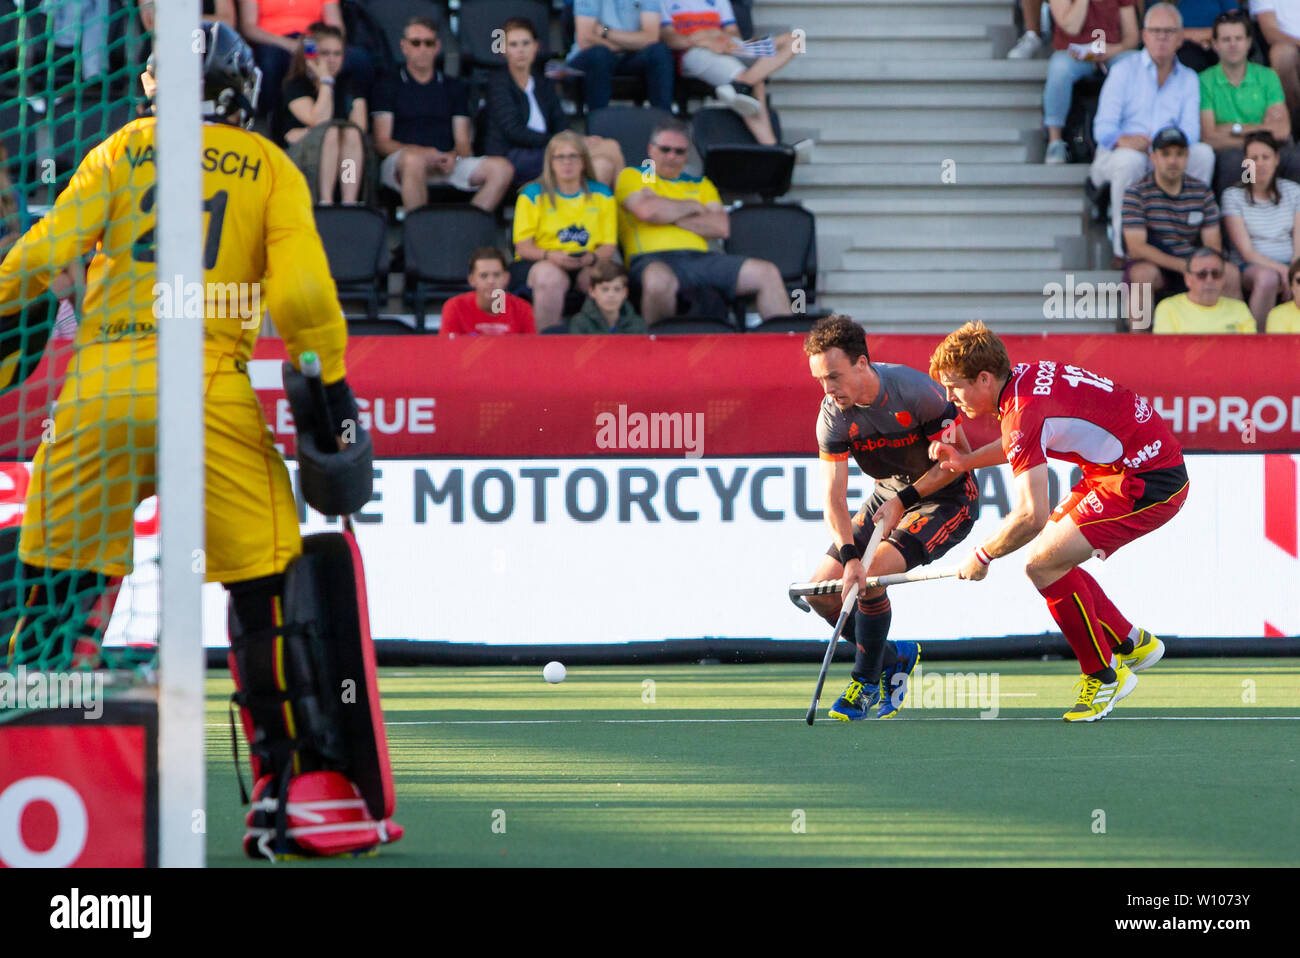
{"x": 1167, "y": 216}
{"x": 1202, "y": 310}
{"x": 1279, "y": 21}
{"x": 666, "y": 218}
{"x": 1239, "y": 97}
{"x": 423, "y": 129}
{"x": 1142, "y": 94}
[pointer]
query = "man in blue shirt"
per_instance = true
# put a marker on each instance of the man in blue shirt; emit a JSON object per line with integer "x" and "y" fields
{"x": 1144, "y": 93}
{"x": 620, "y": 36}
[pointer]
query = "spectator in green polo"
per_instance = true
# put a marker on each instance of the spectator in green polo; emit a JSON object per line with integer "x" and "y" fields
{"x": 1240, "y": 97}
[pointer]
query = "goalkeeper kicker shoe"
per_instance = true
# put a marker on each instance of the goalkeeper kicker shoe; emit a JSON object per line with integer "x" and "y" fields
{"x": 855, "y": 702}
{"x": 1147, "y": 651}
{"x": 1097, "y": 698}
{"x": 894, "y": 680}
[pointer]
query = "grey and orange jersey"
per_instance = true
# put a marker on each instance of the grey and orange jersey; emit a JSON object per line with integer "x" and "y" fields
{"x": 890, "y": 438}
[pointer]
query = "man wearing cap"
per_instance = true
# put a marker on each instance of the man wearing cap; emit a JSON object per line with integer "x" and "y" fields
{"x": 1167, "y": 216}
{"x": 1143, "y": 94}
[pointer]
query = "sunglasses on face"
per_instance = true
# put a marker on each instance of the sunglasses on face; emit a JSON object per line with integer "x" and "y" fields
{"x": 419, "y": 41}
{"x": 1207, "y": 273}
{"x": 673, "y": 150}
{"x": 1161, "y": 31}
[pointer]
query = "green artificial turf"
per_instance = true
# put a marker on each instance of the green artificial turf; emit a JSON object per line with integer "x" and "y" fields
{"x": 495, "y": 767}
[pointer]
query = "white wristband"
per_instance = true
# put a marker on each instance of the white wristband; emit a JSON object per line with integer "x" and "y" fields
{"x": 982, "y": 555}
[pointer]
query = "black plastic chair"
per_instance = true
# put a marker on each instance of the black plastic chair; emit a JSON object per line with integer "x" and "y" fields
{"x": 690, "y": 325}
{"x": 355, "y": 240}
{"x": 735, "y": 162}
{"x": 381, "y": 327}
{"x": 784, "y": 234}
{"x": 478, "y": 20}
{"x": 438, "y": 241}
{"x": 787, "y": 324}
{"x": 392, "y": 16}
{"x": 630, "y": 126}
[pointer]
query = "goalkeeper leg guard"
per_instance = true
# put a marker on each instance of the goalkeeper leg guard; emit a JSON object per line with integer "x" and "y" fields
{"x": 303, "y": 662}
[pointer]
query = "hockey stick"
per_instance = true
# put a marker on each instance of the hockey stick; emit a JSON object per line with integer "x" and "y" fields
{"x": 845, "y": 609}
{"x": 833, "y": 586}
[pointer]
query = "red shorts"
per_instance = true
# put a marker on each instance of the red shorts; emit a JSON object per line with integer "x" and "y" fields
{"x": 1112, "y": 511}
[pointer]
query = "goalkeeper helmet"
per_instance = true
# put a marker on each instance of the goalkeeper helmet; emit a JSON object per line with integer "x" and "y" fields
{"x": 231, "y": 79}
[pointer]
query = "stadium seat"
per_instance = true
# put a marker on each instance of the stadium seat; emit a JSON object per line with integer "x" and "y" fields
{"x": 558, "y": 329}
{"x": 478, "y": 18}
{"x": 355, "y": 239}
{"x": 630, "y": 126}
{"x": 785, "y": 234}
{"x": 391, "y": 16}
{"x": 382, "y": 327}
{"x": 786, "y": 324}
{"x": 690, "y": 325}
{"x": 437, "y": 241}
{"x": 737, "y": 165}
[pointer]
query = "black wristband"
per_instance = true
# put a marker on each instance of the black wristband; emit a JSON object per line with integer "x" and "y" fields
{"x": 848, "y": 553}
{"x": 908, "y": 496}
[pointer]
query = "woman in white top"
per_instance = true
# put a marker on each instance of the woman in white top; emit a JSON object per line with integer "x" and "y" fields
{"x": 1263, "y": 222}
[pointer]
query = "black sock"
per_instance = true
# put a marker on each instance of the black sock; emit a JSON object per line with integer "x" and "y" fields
{"x": 1125, "y": 647}
{"x": 888, "y": 656}
{"x": 1107, "y": 675}
{"x": 871, "y": 628}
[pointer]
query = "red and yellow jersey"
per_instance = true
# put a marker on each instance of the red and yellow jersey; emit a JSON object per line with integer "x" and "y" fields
{"x": 261, "y": 251}
{"x": 1069, "y": 413}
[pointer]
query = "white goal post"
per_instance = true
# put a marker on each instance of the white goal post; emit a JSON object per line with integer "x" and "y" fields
{"x": 181, "y": 766}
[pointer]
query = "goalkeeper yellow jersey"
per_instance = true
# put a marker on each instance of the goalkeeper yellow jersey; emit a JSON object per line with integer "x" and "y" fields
{"x": 261, "y": 251}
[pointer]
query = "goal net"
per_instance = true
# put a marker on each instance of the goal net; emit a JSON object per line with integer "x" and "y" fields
{"x": 97, "y": 568}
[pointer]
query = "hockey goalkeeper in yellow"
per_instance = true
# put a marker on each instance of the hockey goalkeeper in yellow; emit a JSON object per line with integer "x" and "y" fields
{"x": 323, "y": 784}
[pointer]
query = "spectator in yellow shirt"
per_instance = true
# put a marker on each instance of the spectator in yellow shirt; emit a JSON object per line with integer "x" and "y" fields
{"x": 1202, "y": 310}
{"x": 666, "y": 218}
{"x": 1285, "y": 317}
{"x": 565, "y": 223}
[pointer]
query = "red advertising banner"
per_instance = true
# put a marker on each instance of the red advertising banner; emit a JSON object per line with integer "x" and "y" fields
{"x": 74, "y": 795}
{"x": 559, "y": 396}
{"x": 563, "y": 396}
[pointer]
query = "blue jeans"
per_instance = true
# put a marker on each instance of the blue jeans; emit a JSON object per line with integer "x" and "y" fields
{"x": 600, "y": 64}
{"x": 1063, "y": 72}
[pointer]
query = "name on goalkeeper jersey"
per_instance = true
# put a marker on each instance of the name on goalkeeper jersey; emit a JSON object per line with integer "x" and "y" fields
{"x": 229, "y": 162}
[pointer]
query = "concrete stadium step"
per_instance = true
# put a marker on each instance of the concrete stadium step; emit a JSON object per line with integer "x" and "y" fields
{"x": 883, "y": 14}
{"x": 939, "y": 319}
{"x": 989, "y": 151}
{"x": 908, "y": 96}
{"x": 948, "y": 41}
{"x": 996, "y": 74}
{"x": 1001, "y": 183}
{"x": 901, "y": 257}
{"x": 884, "y": 203}
{"x": 926, "y": 232}
{"x": 943, "y": 281}
{"x": 872, "y": 124}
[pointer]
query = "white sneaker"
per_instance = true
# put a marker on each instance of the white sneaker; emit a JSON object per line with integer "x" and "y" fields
{"x": 1056, "y": 153}
{"x": 803, "y": 150}
{"x": 745, "y": 105}
{"x": 1026, "y": 47}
